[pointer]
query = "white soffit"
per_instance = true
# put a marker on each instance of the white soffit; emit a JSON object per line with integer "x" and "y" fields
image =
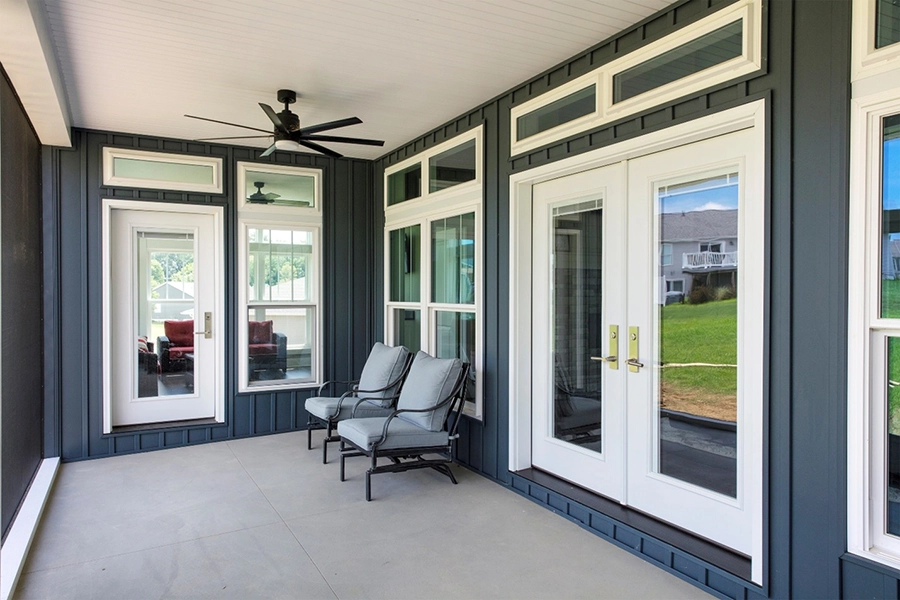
{"x": 27, "y": 55}
{"x": 403, "y": 66}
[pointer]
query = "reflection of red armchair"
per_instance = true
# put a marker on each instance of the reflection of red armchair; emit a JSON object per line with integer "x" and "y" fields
{"x": 178, "y": 341}
{"x": 267, "y": 350}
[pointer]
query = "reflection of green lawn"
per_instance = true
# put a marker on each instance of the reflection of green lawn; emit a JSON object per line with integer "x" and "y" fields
{"x": 700, "y": 333}
{"x": 890, "y": 309}
{"x": 890, "y": 298}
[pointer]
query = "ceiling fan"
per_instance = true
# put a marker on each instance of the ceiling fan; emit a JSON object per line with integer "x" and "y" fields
{"x": 289, "y": 135}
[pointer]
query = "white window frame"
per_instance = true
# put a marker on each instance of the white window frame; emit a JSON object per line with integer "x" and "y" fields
{"x": 678, "y": 281}
{"x": 720, "y": 243}
{"x": 867, "y": 60}
{"x": 866, "y": 394}
{"x": 110, "y": 180}
{"x": 423, "y": 211}
{"x": 311, "y": 214}
{"x": 750, "y": 61}
{"x": 296, "y": 218}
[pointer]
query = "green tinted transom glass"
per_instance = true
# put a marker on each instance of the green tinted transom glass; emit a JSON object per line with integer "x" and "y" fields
{"x": 280, "y": 189}
{"x": 405, "y": 264}
{"x": 581, "y": 103}
{"x": 890, "y": 218}
{"x": 404, "y": 185}
{"x": 170, "y": 172}
{"x": 452, "y": 167}
{"x": 708, "y": 50}
{"x": 887, "y": 23}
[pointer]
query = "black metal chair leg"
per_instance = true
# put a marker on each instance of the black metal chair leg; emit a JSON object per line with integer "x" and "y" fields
{"x": 342, "y": 465}
{"x": 368, "y": 486}
{"x": 308, "y": 434}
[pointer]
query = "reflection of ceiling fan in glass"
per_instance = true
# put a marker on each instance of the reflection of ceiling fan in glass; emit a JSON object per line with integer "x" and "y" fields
{"x": 288, "y": 135}
{"x": 258, "y": 197}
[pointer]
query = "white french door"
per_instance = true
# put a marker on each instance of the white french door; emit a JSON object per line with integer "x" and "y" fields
{"x": 647, "y": 313}
{"x": 163, "y": 313}
{"x": 578, "y": 244}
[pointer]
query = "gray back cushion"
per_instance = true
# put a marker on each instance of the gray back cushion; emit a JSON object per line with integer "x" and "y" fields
{"x": 429, "y": 381}
{"x": 384, "y": 365}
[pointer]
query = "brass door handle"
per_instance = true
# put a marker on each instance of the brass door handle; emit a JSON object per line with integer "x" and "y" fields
{"x": 606, "y": 359}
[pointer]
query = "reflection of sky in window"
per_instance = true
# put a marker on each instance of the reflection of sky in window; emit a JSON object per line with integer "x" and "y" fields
{"x": 713, "y": 193}
{"x": 891, "y": 173}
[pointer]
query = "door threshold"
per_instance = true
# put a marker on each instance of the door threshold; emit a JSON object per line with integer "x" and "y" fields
{"x": 724, "y": 558}
{"x": 164, "y": 425}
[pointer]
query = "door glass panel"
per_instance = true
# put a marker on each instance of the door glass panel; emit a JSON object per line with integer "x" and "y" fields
{"x": 408, "y": 328}
{"x": 697, "y": 408}
{"x": 455, "y": 166}
{"x": 706, "y": 51}
{"x": 405, "y": 267}
{"x": 453, "y": 260}
{"x": 890, "y": 218}
{"x": 887, "y": 23}
{"x": 575, "y": 105}
{"x": 455, "y": 338}
{"x": 577, "y": 277}
{"x": 165, "y": 313}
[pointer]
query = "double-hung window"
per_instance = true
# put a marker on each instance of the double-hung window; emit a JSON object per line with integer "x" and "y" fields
{"x": 433, "y": 264}
{"x": 280, "y": 276}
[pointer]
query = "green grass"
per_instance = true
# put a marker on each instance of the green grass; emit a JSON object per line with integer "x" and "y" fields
{"x": 705, "y": 333}
{"x": 890, "y": 309}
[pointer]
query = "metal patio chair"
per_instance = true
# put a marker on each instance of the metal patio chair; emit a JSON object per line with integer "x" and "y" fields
{"x": 373, "y": 394}
{"x": 425, "y": 422}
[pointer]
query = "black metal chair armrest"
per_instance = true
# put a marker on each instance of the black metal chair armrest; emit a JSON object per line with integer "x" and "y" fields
{"x": 335, "y": 382}
{"x": 359, "y": 401}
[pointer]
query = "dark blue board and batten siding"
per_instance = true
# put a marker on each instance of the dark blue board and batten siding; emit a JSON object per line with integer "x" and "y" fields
{"x": 72, "y": 206}
{"x": 805, "y": 82}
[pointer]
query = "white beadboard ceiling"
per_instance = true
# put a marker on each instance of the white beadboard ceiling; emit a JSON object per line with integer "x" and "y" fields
{"x": 403, "y": 66}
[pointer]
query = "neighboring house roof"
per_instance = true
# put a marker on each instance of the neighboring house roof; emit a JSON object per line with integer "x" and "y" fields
{"x": 186, "y": 289}
{"x": 699, "y": 225}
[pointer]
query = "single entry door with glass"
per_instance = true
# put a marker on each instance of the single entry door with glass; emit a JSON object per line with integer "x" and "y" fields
{"x": 163, "y": 312}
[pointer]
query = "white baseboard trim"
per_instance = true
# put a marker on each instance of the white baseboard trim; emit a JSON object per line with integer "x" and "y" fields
{"x": 18, "y": 541}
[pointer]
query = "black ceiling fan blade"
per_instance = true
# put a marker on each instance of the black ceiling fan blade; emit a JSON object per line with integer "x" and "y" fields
{"x": 343, "y": 140}
{"x": 268, "y": 151}
{"x": 234, "y": 137}
{"x": 273, "y": 116}
{"x": 330, "y": 125}
{"x": 318, "y": 148}
{"x": 227, "y": 123}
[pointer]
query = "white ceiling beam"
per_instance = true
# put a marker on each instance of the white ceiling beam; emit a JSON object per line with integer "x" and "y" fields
{"x": 28, "y": 56}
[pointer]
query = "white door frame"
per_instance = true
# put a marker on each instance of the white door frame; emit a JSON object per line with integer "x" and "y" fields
{"x": 752, "y": 114}
{"x": 217, "y": 213}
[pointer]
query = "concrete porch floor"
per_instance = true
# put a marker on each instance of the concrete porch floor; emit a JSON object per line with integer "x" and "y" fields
{"x": 264, "y": 518}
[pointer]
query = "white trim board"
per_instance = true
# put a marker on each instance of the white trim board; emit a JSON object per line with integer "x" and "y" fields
{"x": 21, "y": 534}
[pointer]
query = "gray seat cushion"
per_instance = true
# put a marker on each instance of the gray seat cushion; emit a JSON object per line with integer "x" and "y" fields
{"x": 401, "y": 434}
{"x": 430, "y": 380}
{"x": 325, "y": 408}
{"x": 384, "y": 365}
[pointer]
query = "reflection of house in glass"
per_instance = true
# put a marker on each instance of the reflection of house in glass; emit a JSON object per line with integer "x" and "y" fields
{"x": 173, "y": 300}
{"x": 697, "y": 248}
